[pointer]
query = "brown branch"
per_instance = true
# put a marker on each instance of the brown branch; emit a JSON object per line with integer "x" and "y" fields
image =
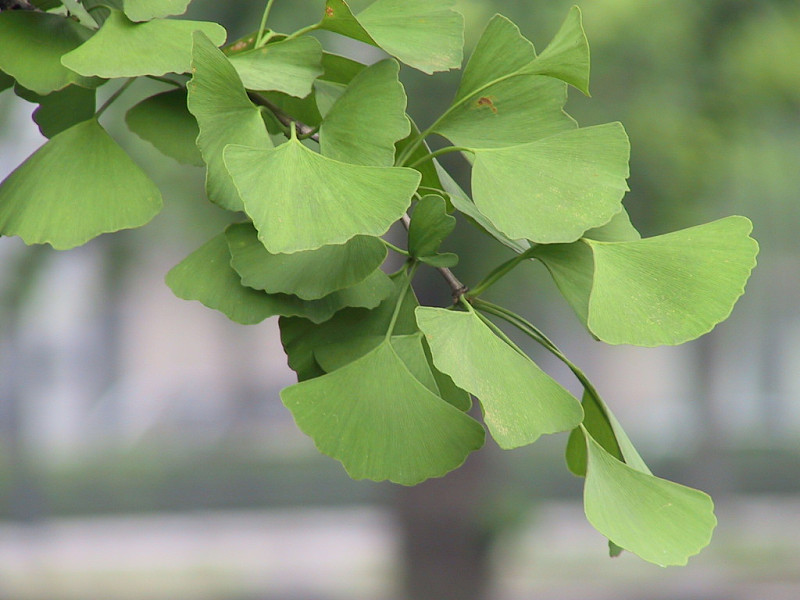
{"x": 285, "y": 119}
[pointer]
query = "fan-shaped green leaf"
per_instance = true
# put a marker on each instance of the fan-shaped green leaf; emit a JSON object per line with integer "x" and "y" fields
{"x": 61, "y": 109}
{"x": 430, "y": 225}
{"x": 671, "y": 288}
{"x": 660, "y": 521}
{"x": 497, "y": 104}
{"x": 144, "y": 10}
{"x": 309, "y": 275}
{"x": 288, "y": 66}
{"x": 6, "y": 81}
{"x": 301, "y": 338}
{"x": 206, "y": 276}
{"x": 224, "y": 115}
{"x": 567, "y": 55}
{"x": 365, "y": 122}
{"x": 164, "y": 121}
{"x": 426, "y": 35}
{"x": 577, "y": 183}
{"x": 78, "y": 185}
{"x": 300, "y": 200}
{"x": 520, "y": 401}
{"x": 33, "y": 43}
{"x": 376, "y": 418}
{"x": 153, "y": 48}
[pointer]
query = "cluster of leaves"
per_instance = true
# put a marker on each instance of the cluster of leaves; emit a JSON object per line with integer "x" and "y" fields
{"x": 318, "y": 155}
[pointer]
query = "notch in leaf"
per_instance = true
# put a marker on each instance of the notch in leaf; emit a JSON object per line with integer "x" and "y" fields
{"x": 426, "y": 35}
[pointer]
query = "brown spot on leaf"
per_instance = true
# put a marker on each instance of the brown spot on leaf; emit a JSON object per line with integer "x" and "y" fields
{"x": 487, "y": 101}
{"x": 329, "y": 11}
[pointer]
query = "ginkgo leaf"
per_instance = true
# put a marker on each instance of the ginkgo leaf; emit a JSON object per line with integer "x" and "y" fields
{"x": 300, "y": 200}
{"x": 60, "y": 110}
{"x": 155, "y": 47}
{"x": 33, "y": 43}
{"x": 206, "y": 276}
{"x": 567, "y": 55}
{"x": 408, "y": 347}
{"x": 301, "y": 338}
{"x": 144, "y": 10}
{"x": 426, "y": 35}
{"x": 671, "y": 288}
{"x": 288, "y": 66}
{"x": 463, "y": 204}
{"x": 520, "y": 401}
{"x": 77, "y": 186}
{"x": 618, "y": 229}
{"x": 497, "y": 103}
{"x": 309, "y": 275}
{"x": 430, "y": 225}
{"x": 662, "y": 522}
{"x": 554, "y": 189}
{"x": 225, "y": 115}
{"x": 164, "y": 121}
{"x": 381, "y": 423}
{"x": 364, "y": 123}
{"x": 6, "y": 81}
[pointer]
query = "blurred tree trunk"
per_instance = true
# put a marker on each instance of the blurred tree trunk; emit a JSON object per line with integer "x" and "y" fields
{"x": 445, "y": 542}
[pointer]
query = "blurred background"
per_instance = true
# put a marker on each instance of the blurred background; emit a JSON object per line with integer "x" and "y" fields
{"x": 144, "y": 452}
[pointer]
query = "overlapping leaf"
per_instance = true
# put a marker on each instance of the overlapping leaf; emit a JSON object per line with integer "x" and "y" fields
{"x": 660, "y": 521}
{"x": 288, "y": 66}
{"x": 554, "y": 189}
{"x": 430, "y": 225}
{"x": 364, "y": 123}
{"x": 77, "y": 186}
{"x": 426, "y": 35}
{"x": 301, "y": 338}
{"x": 520, "y": 401}
{"x": 60, "y": 110}
{"x": 309, "y": 275}
{"x": 671, "y": 288}
{"x": 206, "y": 276}
{"x": 502, "y": 99}
{"x": 144, "y": 10}
{"x": 155, "y": 47}
{"x": 375, "y": 417}
{"x": 225, "y": 115}
{"x": 164, "y": 121}
{"x": 33, "y": 43}
{"x": 299, "y": 200}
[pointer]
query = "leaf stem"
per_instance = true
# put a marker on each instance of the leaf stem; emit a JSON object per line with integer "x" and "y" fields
{"x": 401, "y": 298}
{"x": 76, "y": 9}
{"x": 177, "y": 84}
{"x": 260, "y": 36}
{"x": 114, "y": 96}
{"x": 436, "y": 153}
{"x": 395, "y": 248}
{"x": 303, "y": 31}
{"x": 499, "y": 273}
{"x": 534, "y": 333}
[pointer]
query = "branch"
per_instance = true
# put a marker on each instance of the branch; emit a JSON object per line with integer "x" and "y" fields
{"x": 284, "y": 118}
{"x": 458, "y": 288}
